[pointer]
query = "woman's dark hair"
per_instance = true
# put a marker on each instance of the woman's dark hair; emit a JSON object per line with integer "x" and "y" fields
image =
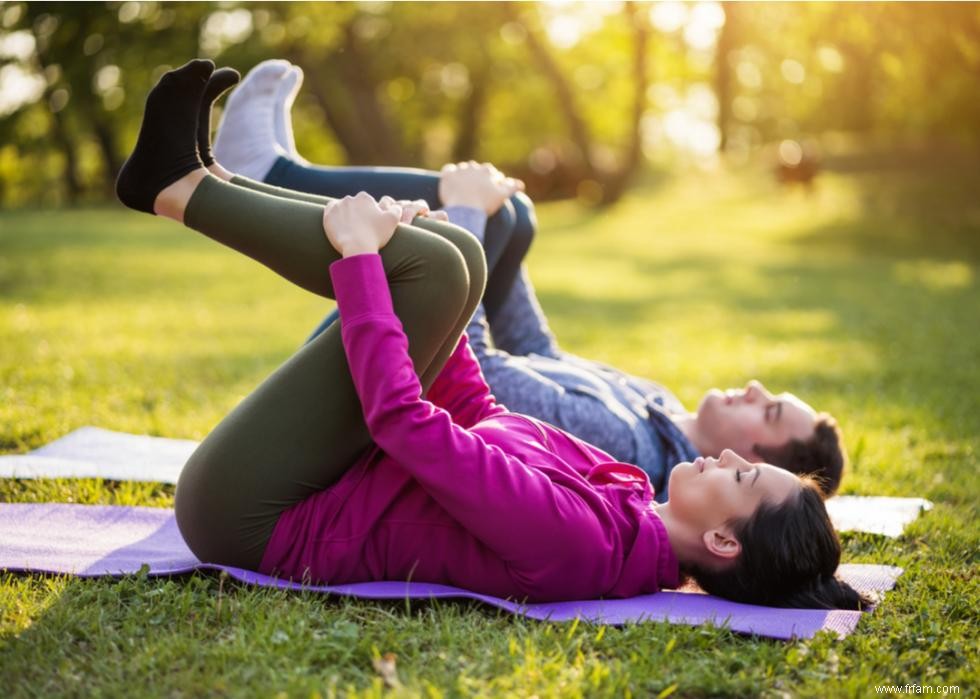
{"x": 789, "y": 555}
{"x": 821, "y": 455}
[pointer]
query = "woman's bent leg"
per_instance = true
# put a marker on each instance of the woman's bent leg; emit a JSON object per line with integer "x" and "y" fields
{"x": 509, "y": 232}
{"x": 302, "y": 427}
{"x": 467, "y": 245}
{"x": 396, "y": 182}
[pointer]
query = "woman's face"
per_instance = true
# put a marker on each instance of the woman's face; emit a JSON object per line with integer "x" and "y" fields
{"x": 708, "y": 493}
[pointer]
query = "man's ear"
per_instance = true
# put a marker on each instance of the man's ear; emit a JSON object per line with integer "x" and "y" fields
{"x": 722, "y": 543}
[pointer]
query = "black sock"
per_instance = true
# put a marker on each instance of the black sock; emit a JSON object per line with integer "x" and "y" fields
{"x": 220, "y": 80}
{"x": 166, "y": 148}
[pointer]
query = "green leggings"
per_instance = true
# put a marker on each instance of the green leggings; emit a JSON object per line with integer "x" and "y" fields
{"x": 302, "y": 428}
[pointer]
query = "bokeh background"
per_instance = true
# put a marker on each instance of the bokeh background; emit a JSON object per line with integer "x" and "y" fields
{"x": 580, "y": 99}
{"x": 788, "y": 192}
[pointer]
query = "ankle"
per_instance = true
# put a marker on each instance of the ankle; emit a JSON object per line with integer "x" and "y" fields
{"x": 172, "y": 199}
{"x": 219, "y": 172}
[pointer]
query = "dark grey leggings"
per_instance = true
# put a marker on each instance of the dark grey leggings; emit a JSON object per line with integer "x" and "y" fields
{"x": 509, "y": 231}
{"x": 302, "y": 428}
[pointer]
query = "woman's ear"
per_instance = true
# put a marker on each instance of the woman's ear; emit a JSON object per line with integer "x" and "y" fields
{"x": 721, "y": 543}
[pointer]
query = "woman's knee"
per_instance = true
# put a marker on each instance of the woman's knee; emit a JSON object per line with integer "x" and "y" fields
{"x": 200, "y": 519}
{"x": 469, "y": 249}
{"x": 217, "y": 519}
{"x": 432, "y": 269}
{"x": 473, "y": 256}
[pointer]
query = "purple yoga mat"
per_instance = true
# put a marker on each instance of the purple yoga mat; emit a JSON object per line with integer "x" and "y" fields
{"x": 96, "y": 540}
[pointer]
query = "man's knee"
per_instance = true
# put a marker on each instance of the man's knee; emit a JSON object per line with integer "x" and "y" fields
{"x": 525, "y": 219}
{"x": 501, "y": 225}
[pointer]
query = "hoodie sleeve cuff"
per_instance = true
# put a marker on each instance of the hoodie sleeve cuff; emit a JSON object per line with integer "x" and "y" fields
{"x": 361, "y": 287}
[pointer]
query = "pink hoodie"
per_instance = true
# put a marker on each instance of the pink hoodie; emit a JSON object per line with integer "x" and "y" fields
{"x": 460, "y": 491}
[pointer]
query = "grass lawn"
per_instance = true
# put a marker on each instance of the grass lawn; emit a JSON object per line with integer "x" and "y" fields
{"x": 861, "y": 297}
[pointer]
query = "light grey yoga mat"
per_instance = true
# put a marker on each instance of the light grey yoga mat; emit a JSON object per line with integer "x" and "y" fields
{"x": 92, "y": 452}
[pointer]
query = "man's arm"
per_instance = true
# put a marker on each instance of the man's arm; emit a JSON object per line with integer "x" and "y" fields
{"x": 519, "y": 326}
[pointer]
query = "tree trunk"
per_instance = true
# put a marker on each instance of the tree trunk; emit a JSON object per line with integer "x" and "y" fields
{"x": 723, "y": 73}
{"x": 470, "y": 117}
{"x": 351, "y": 138}
{"x": 59, "y": 132}
{"x": 106, "y": 138}
{"x": 346, "y": 92}
{"x": 614, "y": 183}
{"x": 578, "y": 129}
{"x": 859, "y": 84}
{"x": 632, "y": 157}
{"x": 335, "y": 106}
{"x": 355, "y": 73}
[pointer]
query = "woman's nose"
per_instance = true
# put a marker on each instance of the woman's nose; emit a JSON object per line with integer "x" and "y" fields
{"x": 754, "y": 389}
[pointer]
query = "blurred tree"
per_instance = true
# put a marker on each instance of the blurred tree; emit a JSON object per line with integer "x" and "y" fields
{"x": 888, "y": 72}
{"x": 607, "y": 184}
{"x": 568, "y": 96}
{"x": 347, "y": 88}
{"x": 727, "y": 42}
{"x": 95, "y": 77}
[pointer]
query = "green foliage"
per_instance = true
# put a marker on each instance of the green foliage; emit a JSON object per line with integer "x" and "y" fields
{"x": 858, "y": 297}
{"x": 420, "y": 83}
{"x": 887, "y": 71}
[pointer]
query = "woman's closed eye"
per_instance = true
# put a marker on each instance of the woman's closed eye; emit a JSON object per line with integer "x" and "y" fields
{"x": 773, "y": 411}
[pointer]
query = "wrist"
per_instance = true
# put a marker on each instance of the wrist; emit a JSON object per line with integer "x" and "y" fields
{"x": 359, "y": 248}
{"x": 464, "y": 208}
{"x": 464, "y": 202}
{"x": 472, "y": 219}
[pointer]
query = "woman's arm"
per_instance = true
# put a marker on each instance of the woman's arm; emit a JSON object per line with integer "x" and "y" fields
{"x": 519, "y": 512}
{"x": 461, "y": 390}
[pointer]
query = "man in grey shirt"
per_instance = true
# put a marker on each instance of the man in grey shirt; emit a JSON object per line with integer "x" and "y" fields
{"x": 635, "y": 420}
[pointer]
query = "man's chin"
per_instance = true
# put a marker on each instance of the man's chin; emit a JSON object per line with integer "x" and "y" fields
{"x": 711, "y": 401}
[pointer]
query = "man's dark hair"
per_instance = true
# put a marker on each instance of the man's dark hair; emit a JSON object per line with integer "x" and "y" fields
{"x": 820, "y": 456}
{"x": 789, "y": 557}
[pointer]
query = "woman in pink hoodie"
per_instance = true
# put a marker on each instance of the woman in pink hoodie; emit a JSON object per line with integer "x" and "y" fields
{"x": 376, "y": 452}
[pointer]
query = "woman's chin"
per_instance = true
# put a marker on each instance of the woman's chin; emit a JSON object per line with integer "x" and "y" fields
{"x": 681, "y": 473}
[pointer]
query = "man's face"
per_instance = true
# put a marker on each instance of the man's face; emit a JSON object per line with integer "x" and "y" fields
{"x": 738, "y": 419}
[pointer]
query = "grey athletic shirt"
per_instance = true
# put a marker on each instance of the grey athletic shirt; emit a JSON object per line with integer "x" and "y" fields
{"x": 625, "y": 416}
